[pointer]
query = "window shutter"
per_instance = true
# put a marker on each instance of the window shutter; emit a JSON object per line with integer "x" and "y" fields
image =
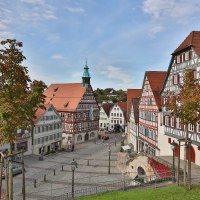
{"x": 178, "y": 78}
{"x": 183, "y": 57}
{"x": 174, "y": 122}
{"x": 173, "y": 79}
{"x": 169, "y": 121}
{"x": 164, "y": 120}
{"x": 190, "y": 55}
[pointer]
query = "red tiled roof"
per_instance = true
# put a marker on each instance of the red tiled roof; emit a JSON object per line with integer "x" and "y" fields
{"x": 64, "y": 97}
{"x": 156, "y": 80}
{"x": 193, "y": 39}
{"x": 107, "y": 107}
{"x": 132, "y": 93}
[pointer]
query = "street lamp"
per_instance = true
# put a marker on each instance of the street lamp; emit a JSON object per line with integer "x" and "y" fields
{"x": 173, "y": 146}
{"x": 74, "y": 165}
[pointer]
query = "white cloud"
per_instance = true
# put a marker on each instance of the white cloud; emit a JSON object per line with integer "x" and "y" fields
{"x": 37, "y": 10}
{"x": 4, "y": 32}
{"x": 75, "y": 9}
{"x": 179, "y": 10}
{"x": 57, "y": 57}
{"x": 116, "y": 73}
{"x": 164, "y": 13}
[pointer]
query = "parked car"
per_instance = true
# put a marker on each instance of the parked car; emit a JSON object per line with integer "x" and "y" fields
{"x": 105, "y": 137}
{"x": 16, "y": 169}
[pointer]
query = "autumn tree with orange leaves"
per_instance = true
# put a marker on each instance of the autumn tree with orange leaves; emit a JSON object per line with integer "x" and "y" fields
{"x": 185, "y": 105}
{"x": 19, "y": 96}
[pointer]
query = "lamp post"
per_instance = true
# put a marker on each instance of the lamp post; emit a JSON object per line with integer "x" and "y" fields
{"x": 74, "y": 165}
{"x": 173, "y": 146}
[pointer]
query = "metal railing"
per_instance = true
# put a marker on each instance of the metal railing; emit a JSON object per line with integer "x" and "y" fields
{"x": 128, "y": 184}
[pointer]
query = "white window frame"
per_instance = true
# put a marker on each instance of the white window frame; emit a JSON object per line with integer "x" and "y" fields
{"x": 191, "y": 127}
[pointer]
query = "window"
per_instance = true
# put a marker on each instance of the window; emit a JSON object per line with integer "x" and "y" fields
{"x": 172, "y": 121}
{"x": 198, "y": 127}
{"x": 187, "y": 55}
{"x": 39, "y": 129}
{"x": 114, "y": 114}
{"x": 178, "y": 59}
{"x": 166, "y": 120}
{"x": 117, "y": 114}
{"x": 175, "y": 79}
{"x": 101, "y": 125}
{"x": 46, "y": 138}
{"x": 178, "y": 123}
{"x": 190, "y": 127}
{"x": 120, "y": 114}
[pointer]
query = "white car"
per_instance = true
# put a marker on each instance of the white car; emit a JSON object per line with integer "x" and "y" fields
{"x": 16, "y": 169}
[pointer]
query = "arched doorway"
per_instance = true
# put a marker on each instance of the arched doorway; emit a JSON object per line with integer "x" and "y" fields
{"x": 141, "y": 174}
{"x": 192, "y": 154}
{"x": 86, "y": 137}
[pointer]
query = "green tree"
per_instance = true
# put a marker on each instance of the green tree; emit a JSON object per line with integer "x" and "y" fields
{"x": 19, "y": 96}
{"x": 185, "y": 105}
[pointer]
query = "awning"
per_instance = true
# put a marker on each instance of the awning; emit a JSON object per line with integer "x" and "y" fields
{"x": 126, "y": 147}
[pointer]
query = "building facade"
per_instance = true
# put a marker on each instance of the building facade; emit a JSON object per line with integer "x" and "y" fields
{"x": 186, "y": 56}
{"x": 78, "y": 108}
{"x": 117, "y": 116}
{"x": 47, "y": 131}
{"x": 150, "y": 111}
{"x": 104, "y": 116}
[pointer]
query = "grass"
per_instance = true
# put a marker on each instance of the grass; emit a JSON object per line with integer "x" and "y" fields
{"x": 164, "y": 193}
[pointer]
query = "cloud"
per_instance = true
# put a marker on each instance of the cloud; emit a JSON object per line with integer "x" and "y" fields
{"x": 116, "y": 73}
{"x": 75, "y": 9}
{"x": 179, "y": 10}
{"x": 37, "y": 10}
{"x": 164, "y": 13}
{"x": 4, "y": 32}
{"x": 57, "y": 57}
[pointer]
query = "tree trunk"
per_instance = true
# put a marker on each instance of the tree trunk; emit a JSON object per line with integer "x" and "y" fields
{"x": 10, "y": 173}
{"x": 185, "y": 160}
{"x": 1, "y": 168}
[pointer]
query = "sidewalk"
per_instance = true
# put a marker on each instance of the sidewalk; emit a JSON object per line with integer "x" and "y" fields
{"x": 195, "y": 169}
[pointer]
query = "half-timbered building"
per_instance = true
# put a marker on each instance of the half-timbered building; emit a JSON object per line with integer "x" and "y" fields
{"x": 186, "y": 56}
{"x": 78, "y": 108}
{"x": 149, "y": 112}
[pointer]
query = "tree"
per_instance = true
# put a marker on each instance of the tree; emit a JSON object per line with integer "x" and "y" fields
{"x": 185, "y": 105}
{"x": 19, "y": 96}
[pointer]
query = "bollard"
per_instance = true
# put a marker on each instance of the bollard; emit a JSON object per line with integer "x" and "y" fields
{"x": 35, "y": 182}
{"x": 88, "y": 162}
{"x": 62, "y": 167}
{"x": 45, "y": 178}
{"x": 54, "y": 172}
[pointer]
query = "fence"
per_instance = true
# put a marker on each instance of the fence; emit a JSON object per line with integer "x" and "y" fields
{"x": 137, "y": 183}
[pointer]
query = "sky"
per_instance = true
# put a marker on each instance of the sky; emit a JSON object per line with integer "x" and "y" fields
{"x": 121, "y": 39}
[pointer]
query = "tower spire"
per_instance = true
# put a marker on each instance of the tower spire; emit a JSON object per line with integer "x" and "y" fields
{"x": 86, "y": 75}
